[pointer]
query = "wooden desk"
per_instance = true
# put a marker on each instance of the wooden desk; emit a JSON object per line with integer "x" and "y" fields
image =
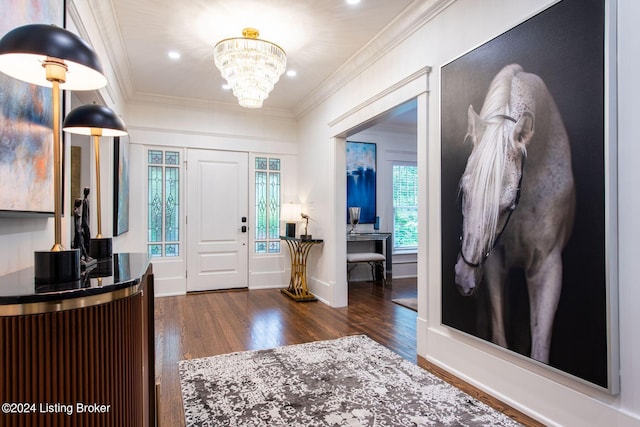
{"x": 383, "y": 245}
{"x": 299, "y": 250}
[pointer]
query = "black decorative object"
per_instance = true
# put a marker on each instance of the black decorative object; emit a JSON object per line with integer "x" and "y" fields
{"x": 78, "y": 235}
{"x": 290, "y": 229}
{"x": 57, "y": 267}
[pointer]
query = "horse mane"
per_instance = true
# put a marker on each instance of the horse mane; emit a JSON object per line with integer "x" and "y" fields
{"x": 487, "y": 161}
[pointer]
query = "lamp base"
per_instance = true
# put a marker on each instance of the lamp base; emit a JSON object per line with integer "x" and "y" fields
{"x": 101, "y": 248}
{"x": 56, "y": 267}
{"x": 290, "y": 229}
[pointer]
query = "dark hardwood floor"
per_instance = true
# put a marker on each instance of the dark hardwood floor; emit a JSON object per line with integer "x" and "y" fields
{"x": 207, "y": 324}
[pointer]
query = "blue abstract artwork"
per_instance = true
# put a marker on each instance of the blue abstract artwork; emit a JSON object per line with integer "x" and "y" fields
{"x": 121, "y": 185}
{"x": 361, "y": 180}
{"x": 26, "y": 122}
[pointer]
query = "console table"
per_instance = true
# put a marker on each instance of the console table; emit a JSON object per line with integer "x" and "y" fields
{"x": 79, "y": 353}
{"x": 299, "y": 250}
{"x": 383, "y": 243}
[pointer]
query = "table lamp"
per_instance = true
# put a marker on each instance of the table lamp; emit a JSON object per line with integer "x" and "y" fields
{"x": 96, "y": 121}
{"x": 290, "y": 214}
{"x": 51, "y": 56}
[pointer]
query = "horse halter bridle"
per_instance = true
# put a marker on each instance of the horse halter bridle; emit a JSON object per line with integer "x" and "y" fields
{"x": 512, "y": 208}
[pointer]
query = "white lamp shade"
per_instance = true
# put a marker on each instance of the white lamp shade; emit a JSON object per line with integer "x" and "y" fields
{"x": 290, "y": 212}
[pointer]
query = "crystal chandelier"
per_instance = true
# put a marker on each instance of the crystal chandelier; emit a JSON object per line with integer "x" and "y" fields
{"x": 250, "y": 66}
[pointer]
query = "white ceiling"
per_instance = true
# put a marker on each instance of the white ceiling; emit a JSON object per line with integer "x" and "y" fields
{"x": 319, "y": 36}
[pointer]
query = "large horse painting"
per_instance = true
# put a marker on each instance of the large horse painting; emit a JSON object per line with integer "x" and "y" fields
{"x": 509, "y": 219}
{"x": 525, "y": 209}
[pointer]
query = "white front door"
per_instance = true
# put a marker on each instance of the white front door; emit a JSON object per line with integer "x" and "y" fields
{"x": 217, "y": 220}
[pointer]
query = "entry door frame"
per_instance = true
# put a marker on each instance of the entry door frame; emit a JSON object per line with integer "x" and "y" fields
{"x": 414, "y": 86}
{"x": 194, "y": 246}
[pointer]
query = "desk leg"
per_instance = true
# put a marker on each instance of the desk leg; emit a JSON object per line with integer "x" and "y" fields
{"x": 297, "y": 290}
{"x": 384, "y": 247}
{"x": 389, "y": 256}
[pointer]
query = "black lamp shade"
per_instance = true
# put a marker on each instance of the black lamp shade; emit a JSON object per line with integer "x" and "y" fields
{"x": 23, "y": 49}
{"x": 82, "y": 119}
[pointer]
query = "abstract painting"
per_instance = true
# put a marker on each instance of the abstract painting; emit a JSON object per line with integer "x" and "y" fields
{"x": 26, "y": 128}
{"x": 361, "y": 180}
{"x": 120, "y": 185}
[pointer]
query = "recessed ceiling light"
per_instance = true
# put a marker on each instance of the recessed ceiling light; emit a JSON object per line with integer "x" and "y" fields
{"x": 353, "y": 1}
{"x": 292, "y": 73}
{"x": 174, "y": 55}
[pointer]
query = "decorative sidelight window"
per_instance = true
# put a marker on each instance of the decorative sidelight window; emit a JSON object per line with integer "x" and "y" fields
{"x": 163, "y": 195}
{"x": 267, "y": 185}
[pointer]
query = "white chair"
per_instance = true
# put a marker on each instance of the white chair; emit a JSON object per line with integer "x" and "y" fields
{"x": 374, "y": 259}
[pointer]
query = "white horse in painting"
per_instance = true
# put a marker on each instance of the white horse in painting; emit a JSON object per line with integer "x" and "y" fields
{"x": 517, "y": 216}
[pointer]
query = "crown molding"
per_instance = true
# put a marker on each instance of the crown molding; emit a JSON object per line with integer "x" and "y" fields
{"x": 415, "y": 76}
{"x": 141, "y": 98}
{"x": 412, "y": 18}
{"x": 108, "y": 28}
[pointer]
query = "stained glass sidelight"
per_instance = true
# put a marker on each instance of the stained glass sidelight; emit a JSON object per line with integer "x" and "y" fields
{"x": 172, "y": 157}
{"x": 171, "y": 203}
{"x": 155, "y": 204}
{"x": 267, "y": 191}
{"x": 163, "y": 235}
{"x": 261, "y": 247}
{"x": 171, "y": 250}
{"x": 155, "y": 157}
{"x": 261, "y": 205}
{"x": 261, "y": 163}
{"x": 274, "y": 206}
{"x": 274, "y": 247}
{"x": 155, "y": 250}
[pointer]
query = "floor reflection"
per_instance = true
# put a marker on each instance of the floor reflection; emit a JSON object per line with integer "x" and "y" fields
{"x": 267, "y": 329}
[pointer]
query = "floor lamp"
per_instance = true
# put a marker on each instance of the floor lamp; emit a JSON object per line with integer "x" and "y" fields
{"x": 46, "y": 55}
{"x": 96, "y": 120}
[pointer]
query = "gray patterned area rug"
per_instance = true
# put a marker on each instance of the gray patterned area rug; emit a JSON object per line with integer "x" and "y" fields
{"x": 350, "y": 381}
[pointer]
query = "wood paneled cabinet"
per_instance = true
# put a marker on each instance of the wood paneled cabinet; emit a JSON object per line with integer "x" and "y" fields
{"x": 82, "y": 356}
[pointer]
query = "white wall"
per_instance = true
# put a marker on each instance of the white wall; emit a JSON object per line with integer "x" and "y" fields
{"x": 550, "y": 397}
{"x": 628, "y": 205}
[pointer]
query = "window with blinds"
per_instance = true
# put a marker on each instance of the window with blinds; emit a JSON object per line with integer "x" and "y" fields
{"x": 405, "y": 206}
